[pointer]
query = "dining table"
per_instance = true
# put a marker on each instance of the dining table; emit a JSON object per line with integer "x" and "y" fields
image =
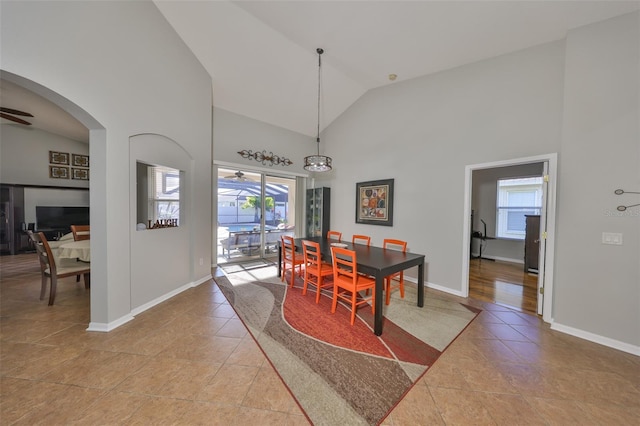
{"x": 76, "y": 250}
{"x": 375, "y": 261}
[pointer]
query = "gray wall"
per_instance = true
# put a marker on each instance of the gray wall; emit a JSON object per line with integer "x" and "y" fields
{"x": 598, "y": 286}
{"x": 121, "y": 70}
{"x": 577, "y": 98}
{"x": 24, "y": 156}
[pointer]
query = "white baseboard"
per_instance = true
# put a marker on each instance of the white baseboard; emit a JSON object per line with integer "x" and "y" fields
{"x": 436, "y": 286}
{"x": 106, "y": 327}
{"x": 501, "y": 259}
{"x": 612, "y": 343}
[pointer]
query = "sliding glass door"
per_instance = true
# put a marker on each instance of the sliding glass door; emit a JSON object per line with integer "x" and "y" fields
{"x": 254, "y": 210}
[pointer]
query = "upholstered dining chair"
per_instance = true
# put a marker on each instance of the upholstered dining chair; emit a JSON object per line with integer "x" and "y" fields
{"x": 396, "y": 280}
{"x": 334, "y": 235}
{"x": 81, "y": 232}
{"x": 361, "y": 239}
{"x": 315, "y": 269}
{"x": 291, "y": 258}
{"x": 347, "y": 283}
{"x": 58, "y": 269}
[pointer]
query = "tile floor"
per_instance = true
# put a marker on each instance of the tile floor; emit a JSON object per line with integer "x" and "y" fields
{"x": 191, "y": 361}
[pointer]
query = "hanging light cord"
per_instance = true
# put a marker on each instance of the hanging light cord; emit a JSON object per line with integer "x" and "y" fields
{"x": 320, "y": 52}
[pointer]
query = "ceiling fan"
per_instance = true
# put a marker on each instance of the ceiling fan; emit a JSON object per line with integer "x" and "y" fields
{"x": 239, "y": 176}
{"x": 10, "y": 114}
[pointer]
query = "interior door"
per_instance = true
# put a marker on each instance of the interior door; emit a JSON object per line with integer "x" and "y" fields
{"x": 543, "y": 236}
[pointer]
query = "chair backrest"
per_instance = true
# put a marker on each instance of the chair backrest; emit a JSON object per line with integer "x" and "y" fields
{"x": 344, "y": 265}
{"x": 361, "y": 239}
{"x": 334, "y": 235}
{"x": 312, "y": 255}
{"x": 44, "y": 253}
{"x": 390, "y": 243}
{"x": 81, "y": 232}
{"x": 37, "y": 243}
{"x": 288, "y": 249}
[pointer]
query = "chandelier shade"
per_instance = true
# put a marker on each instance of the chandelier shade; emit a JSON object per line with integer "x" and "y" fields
{"x": 317, "y": 162}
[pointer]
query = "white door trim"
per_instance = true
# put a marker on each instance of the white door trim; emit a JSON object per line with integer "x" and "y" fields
{"x": 552, "y": 159}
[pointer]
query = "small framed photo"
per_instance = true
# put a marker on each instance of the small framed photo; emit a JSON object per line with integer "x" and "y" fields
{"x": 79, "y": 174}
{"x": 374, "y": 202}
{"x": 78, "y": 160}
{"x": 56, "y": 157}
{"x": 57, "y": 172}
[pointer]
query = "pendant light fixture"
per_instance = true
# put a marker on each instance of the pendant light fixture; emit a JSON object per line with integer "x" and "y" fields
{"x": 318, "y": 163}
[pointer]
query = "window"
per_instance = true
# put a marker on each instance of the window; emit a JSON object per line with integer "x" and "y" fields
{"x": 165, "y": 193}
{"x": 517, "y": 198}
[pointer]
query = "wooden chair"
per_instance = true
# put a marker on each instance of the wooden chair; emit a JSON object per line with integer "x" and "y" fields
{"x": 53, "y": 271}
{"x": 289, "y": 257}
{"x": 81, "y": 232}
{"x": 347, "y": 283}
{"x": 334, "y": 235}
{"x": 315, "y": 268}
{"x": 361, "y": 239}
{"x": 398, "y": 277}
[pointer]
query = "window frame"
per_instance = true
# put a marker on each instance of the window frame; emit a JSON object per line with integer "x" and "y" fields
{"x": 527, "y": 184}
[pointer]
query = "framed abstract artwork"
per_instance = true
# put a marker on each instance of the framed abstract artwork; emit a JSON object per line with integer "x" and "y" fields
{"x": 374, "y": 202}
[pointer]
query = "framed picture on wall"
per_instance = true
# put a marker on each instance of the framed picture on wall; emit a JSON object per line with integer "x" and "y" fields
{"x": 374, "y": 202}
{"x": 56, "y": 157}
{"x": 79, "y": 174}
{"x": 57, "y": 172}
{"x": 78, "y": 160}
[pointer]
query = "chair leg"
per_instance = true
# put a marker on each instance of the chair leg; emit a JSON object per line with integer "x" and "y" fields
{"x": 334, "y": 303}
{"x": 52, "y": 292}
{"x": 353, "y": 307}
{"x": 318, "y": 287}
{"x": 43, "y": 288}
{"x": 306, "y": 283}
{"x": 87, "y": 280}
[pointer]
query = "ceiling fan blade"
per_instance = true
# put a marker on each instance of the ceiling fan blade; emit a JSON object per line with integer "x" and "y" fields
{"x": 16, "y": 119}
{"x": 16, "y": 112}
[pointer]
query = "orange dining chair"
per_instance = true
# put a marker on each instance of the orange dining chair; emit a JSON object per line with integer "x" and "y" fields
{"x": 334, "y": 235}
{"x": 290, "y": 258}
{"x": 347, "y": 283}
{"x": 315, "y": 269}
{"x": 391, "y": 280}
{"x": 61, "y": 269}
{"x": 361, "y": 239}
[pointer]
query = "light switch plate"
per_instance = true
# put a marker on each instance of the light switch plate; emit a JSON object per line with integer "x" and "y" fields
{"x": 613, "y": 238}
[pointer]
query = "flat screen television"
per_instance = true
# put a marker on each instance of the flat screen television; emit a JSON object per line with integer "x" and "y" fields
{"x": 61, "y": 218}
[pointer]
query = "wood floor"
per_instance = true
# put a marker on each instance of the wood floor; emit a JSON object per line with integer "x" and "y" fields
{"x": 503, "y": 283}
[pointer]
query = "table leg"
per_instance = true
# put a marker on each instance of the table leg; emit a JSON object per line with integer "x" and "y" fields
{"x": 421, "y": 285}
{"x": 377, "y": 323}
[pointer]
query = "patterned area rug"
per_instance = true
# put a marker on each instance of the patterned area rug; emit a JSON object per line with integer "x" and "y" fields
{"x": 342, "y": 374}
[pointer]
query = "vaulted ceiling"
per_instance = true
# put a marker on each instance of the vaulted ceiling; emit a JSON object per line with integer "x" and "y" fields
{"x": 262, "y": 56}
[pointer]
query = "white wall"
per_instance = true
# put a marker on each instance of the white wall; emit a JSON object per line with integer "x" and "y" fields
{"x": 121, "y": 70}
{"x": 598, "y": 286}
{"x": 24, "y": 156}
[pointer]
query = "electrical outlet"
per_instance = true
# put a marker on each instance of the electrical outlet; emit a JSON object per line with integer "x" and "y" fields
{"x": 201, "y": 261}
{"x": 613, "y": 238}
